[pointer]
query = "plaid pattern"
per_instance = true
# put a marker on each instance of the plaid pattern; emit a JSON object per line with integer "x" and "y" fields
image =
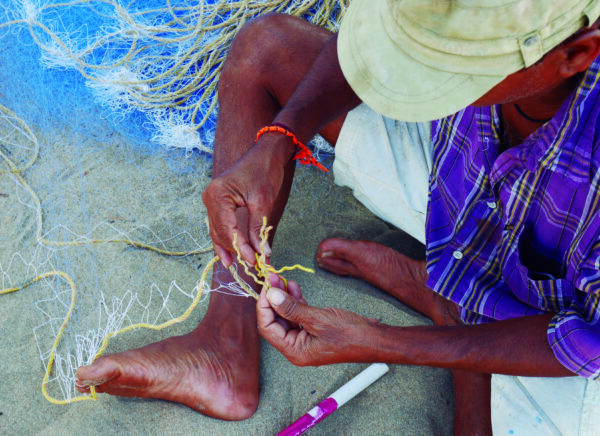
{"x": 517, "y": 233}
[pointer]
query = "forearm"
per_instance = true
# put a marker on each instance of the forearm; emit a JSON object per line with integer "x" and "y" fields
{"x": 515, "y": 347}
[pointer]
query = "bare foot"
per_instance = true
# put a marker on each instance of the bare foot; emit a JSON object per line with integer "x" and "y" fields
{"x": 388, "y": 270}
{"x": 208, "y": 370}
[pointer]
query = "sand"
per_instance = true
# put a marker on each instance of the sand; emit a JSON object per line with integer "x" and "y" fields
{"x": 99, "y": 182}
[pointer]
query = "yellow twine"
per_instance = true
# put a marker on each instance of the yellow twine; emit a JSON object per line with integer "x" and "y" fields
{"x": 262, "y": 268}
{"x": 16, "y": 172}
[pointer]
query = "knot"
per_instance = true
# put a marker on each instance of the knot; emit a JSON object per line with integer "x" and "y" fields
{"x": 262, "y": 266}
{"x": 305, "y": 157}
{"x": 303, "y": 154}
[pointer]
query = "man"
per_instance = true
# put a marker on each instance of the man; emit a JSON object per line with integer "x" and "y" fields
{"x": 512, "y": 223}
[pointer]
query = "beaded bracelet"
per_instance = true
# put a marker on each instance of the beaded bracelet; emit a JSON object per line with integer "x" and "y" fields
{"x": 303, "y": 154}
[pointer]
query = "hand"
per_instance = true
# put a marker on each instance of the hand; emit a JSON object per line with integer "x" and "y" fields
{"x": 237, "y": 201}
{"x": 313, "y": 336}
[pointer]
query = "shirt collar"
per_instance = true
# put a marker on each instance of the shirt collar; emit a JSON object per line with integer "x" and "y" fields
{"x": 565, "y": 143}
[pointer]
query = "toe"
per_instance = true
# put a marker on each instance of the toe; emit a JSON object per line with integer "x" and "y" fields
{"x": 336, "y": 266}
{"x": 333, "y": 247}
{"x": 338, "y": 256}
{"x": 101, "y": 371}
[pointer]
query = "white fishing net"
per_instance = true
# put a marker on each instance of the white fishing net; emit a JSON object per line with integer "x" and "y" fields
{"x": 160, "y": 57}
{"x": 89, "y": 228}
{"x": 104, "y": 228}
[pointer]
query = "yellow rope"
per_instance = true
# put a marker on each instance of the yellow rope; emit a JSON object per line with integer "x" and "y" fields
{"x": 262, "y": 270}
{"x": 16, "y": 172}
{"x": 262, "y": 267}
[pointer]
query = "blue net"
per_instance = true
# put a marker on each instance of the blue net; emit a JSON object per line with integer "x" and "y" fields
{"x": 157, "y": 58}
{"x": 107, "y": 118}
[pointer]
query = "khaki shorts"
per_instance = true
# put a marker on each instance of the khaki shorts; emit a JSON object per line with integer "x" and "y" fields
{"x": 387, "y": 163}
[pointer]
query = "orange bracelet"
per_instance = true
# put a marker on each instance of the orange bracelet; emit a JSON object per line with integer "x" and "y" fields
{"x": 303, "y": 154}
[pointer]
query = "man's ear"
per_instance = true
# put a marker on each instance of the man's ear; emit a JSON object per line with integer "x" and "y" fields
{"x": 580, "y": 52}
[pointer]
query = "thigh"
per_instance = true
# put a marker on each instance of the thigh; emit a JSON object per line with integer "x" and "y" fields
{"x": 386, "y": 163}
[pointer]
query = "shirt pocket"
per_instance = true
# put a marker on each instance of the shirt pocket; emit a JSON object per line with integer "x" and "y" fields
{"x": 541, "y": 289}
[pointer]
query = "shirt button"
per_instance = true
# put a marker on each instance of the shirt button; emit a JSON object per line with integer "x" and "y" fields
{"x": 492, "y": 204}
{"x": 457, "y": 255}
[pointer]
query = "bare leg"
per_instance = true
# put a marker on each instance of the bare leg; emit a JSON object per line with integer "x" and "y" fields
{"x": 472, "y": 408}
{"x": 405, "y": 279}
{"x": 390, "y": 271}
{"x": 214, "y": 369}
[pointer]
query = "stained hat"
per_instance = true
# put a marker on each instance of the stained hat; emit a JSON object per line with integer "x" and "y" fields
{"x": 419, "y": 60}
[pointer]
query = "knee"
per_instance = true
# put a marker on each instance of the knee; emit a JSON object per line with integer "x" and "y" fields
{"x": 259, "y": 44}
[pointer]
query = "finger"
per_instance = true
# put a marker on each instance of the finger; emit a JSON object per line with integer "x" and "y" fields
{"x": 291, "y": 287}
{"x": 294, "y": 290}
{"x": 255, "y": 222}
{"x": 287, "y": 326}
{"x": 221, "y": 215}
{"x": 288, "y": 307}
{"x": 268, "y": 327}
{"x": 224, "y": 255}
{"x": 246, "y": 250}
{"x": 275, "y": 281}
{"x": 226, "y": 250}
{"x": 223, "y": 222}
{"x": 278, "y": 282}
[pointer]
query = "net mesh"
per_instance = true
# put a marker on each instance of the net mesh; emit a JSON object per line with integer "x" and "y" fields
{"x": 158, "y": 57}
{"x": 99, "y": 186}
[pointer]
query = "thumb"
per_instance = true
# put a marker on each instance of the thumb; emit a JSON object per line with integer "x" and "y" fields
{"x": 287, "y": 306}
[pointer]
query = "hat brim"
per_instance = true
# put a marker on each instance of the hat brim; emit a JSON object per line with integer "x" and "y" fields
{"x": 390, "y": 81}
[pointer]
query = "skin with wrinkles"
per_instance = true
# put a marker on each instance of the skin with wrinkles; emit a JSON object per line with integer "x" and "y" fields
{"x": 192, "y": 369}
{"x": 219, "y": 372}
{"x": 282, "y": 69}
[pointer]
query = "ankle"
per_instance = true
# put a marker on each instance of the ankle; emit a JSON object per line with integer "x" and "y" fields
{"x": 240, "y": 406}
{"x": 230, "y": 318}
{"x": 405, "y": 274}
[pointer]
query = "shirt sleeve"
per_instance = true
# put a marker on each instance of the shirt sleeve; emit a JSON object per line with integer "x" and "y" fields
{"x": 574, "y": 333}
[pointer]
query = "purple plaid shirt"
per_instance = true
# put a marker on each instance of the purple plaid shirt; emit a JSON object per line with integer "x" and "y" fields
{"x": 518, "y": 233}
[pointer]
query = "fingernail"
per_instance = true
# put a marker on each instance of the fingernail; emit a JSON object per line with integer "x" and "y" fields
{"x": 248, "y": 255}
{"x": 326, "y": 254}
{"x": 275, "y": 296}
{"x": 226, "y": 262}
{"x": 268, "y": 251}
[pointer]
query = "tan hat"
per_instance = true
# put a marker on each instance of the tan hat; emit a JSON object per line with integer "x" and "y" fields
{"x": 419, "y": 60}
